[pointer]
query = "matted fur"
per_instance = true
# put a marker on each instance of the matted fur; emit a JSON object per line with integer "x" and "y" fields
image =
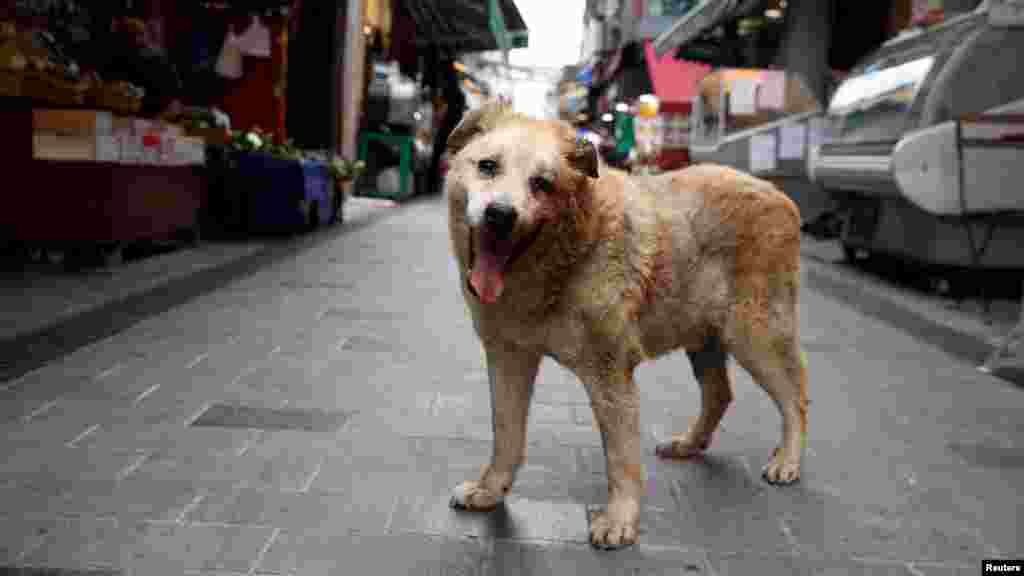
{"x": 625, "y": 269}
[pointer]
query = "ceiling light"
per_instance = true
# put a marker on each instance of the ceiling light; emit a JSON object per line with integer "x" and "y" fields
{"x": 773, "y": 13}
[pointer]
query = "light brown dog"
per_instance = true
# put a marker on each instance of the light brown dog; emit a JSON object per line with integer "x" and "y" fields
{"x": 603, "y": 271}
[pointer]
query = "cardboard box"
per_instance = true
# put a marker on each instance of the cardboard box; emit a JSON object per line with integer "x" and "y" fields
{"x": 142, "y": 126}
{"x": 212, "y": 136}
{"x": 131, "y": 148}
{"x": 188, "y": 151}
{"x": 73, "y": 122}
{"x": 60, "y": 147}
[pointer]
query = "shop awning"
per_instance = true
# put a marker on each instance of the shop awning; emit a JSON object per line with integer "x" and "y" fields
{"x": 674, "y": 80}
{"x": 705, "y": 15}
{"x": 468, "y": 25}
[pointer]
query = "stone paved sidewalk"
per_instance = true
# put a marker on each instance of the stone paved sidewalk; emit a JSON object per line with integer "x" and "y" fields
{"x": 311, "y": 418}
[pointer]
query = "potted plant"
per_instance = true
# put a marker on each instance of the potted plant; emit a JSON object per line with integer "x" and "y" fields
{"x": 342, "y": 172}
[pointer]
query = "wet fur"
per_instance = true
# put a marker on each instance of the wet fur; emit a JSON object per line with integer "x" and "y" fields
{"x": 627, "y": 269}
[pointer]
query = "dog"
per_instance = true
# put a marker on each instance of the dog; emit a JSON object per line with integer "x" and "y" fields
{"x": 600, "y": 271}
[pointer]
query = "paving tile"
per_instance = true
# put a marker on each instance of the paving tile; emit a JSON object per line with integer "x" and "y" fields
{"x": 726, "y": 565}
{"x": 18, "y": 536}
{"x": 293, "y": 511}
{"x": 913, "y": 531}
{"x": 926, "y": 569}
{"x": 127, "y": 380}
{"x": 168, "y": 548}
{"x": 536, "y": 558}
{"x": 47, "y": 571}
{"x": 226, "y": 362}
{"x": 549, "y": 473}
{"x": 26, "y": 397}
{"x": 127, "y": 499}
{"x": 58, "y": 423}
{"x": 517, "y": 519}
{"x": 76, "y": 543}
{"x": 284, "y": 460}
{"x": 206, "y": 470}
{"x": 44, "y": 495}
{"x": 726, "y": 512}
{"x": 312, "y": 554}
{"x": 65, "y": 463}
{"x": 168, "y": 437}
{"x": 365, "y": 451}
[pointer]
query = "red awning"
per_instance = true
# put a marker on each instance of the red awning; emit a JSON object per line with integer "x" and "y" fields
{"x": 674, "y": 80}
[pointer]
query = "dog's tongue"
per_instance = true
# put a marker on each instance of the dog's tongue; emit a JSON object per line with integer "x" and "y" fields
{"x": 488, "y": 277}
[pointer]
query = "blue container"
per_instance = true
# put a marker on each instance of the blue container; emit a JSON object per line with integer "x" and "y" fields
{"x": 319, "y": 188}
{"x": 275, "y": 193}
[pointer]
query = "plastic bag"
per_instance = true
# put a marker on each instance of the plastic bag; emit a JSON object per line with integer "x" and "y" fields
{"x": 229, "y": 63}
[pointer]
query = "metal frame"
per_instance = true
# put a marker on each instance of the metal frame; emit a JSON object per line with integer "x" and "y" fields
{"x": 990, "y": 222}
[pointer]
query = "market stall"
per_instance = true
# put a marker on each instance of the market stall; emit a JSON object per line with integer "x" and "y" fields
{"x": 133, "y": 147}
{"x": 913, "y": 155}
{"x": 763, "y": 122}
{"x": 97, "y": 174}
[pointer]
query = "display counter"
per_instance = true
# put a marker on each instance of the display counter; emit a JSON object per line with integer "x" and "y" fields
{"x": 912, "y": 154}
{"x": 90, "y": 203}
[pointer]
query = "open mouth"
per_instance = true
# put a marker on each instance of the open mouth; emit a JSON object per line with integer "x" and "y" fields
{"x": 489, "y": 262}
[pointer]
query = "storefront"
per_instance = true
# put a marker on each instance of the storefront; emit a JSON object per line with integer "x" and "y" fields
{"x": 415, "y": 88}
{"x": 117, "y": 164}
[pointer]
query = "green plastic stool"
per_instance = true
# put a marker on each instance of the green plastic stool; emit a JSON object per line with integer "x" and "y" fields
{"x": 405, "y": 144}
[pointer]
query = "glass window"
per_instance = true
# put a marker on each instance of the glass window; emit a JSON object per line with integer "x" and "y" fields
{"x": 892, "y": 86}
{"x": 876, "y": 103}
{"x": 674, "y": 8}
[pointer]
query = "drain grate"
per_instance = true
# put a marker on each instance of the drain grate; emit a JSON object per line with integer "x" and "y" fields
{"x": 238, "y": 416}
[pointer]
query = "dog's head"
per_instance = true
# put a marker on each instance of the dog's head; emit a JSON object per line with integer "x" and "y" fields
{"x": 510, "y": 179}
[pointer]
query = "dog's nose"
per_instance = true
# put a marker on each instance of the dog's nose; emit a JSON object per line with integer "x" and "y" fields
{"x": 500, "y": 218}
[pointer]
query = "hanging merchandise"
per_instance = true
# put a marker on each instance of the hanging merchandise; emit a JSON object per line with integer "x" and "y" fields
{"x": 255, "y": 41}
{"x": 229, "y": 63}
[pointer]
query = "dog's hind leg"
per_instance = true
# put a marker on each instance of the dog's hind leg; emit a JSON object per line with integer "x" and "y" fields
{"x": 710, "y": 367}
{"x": 511, "y": 371}
{"x": 774, "y": 360}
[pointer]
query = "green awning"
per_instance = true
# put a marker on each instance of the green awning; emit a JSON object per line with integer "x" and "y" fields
{"x": 705, "y": 15}
{"x": 468, "y": 25}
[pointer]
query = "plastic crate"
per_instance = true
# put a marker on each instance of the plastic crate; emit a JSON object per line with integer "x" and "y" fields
{"x": 273, "y": 191}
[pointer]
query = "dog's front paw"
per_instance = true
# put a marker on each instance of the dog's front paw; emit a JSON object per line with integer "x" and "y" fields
{"x": 472, "y": 495}
{"x": 681, "y": 446}
{"x": 613, "y": 528}
{"x": 781, "y": 470}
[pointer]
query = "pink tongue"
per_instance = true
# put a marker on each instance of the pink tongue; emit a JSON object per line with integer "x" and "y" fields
{"x": 488, "y": 278}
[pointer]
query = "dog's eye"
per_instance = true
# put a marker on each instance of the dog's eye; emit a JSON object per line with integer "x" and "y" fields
{"x": 539, "y": 184}
{"x": 488, "y": 167}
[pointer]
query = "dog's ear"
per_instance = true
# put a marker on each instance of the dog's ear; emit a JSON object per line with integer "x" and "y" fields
{"x": 584, "y": 158}
{"x": 474, "y": 123}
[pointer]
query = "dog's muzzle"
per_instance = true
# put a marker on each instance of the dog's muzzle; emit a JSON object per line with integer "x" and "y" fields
{"x": 500, "y": 219}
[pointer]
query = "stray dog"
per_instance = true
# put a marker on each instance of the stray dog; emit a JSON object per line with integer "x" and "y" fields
{"x": 603, "y": 271}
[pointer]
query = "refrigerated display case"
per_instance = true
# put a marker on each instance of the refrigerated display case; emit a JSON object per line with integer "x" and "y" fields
{"x": 921, "y": 148}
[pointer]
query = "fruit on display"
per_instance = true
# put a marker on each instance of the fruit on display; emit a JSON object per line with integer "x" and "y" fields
{"x": 11, "y": 57}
